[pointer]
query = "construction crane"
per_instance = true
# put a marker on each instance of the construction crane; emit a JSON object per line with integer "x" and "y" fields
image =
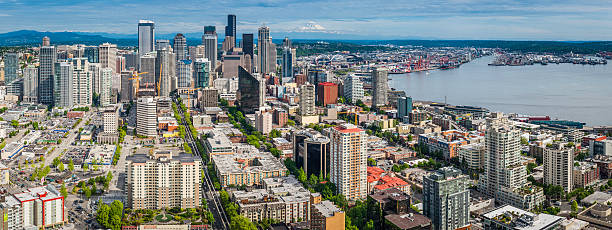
{"x": 354, "y": 113}
{"x": 161, "y": 69}
{"x": 136, "y": 76}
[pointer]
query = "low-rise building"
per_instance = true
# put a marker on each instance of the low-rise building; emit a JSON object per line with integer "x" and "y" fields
{"x": 447, "y": 142}
{"x": 585, "y": 174}
{"x": 509, "y": 217}
{"x": 324, "y": 215}
{"x": 281, "y": 198}
{"x": 248, "y": 167}
{"x": 604, "y": 164}
{"x": 472, "y": 155}
{"x": 598, "y": 214}
{"x": 218, "y": 143}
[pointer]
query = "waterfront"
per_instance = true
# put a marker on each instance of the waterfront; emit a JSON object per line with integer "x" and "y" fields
{"x": 563, "y": 91}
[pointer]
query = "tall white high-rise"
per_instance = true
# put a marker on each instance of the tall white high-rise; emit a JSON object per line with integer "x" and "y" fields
{"x": 307, "y": 100}
{"x": 95, "y": 70}
{"x": 353, "y": 88}
{"x": 165, "y": 67}
{"x": 82, "y": 83}
{"x": 63, "y": 84}
{"x": 146, "y": 113}
{"x": 558, "y": 165}
{"x": 106, "y": 83}
{"x": 505, "y": 175}
{"x": 380, "y": 87}
{"x": 348, "y": 161}
{"x": 30, "y": 84}
{"x": 108, "y": 56}
{"x": 146, "y": 36}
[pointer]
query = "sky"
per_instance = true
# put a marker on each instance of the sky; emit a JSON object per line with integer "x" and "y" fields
{"x": 339, "y": 19}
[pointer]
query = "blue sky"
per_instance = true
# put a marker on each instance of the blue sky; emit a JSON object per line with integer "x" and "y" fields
{"x": 339, "y": 19}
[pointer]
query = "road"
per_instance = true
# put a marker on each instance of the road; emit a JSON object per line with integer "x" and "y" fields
{"x": 208, "y": 190}
{"x": 72, "y": 134}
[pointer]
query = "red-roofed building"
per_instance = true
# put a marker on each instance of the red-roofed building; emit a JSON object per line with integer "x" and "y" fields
{"x": 378, "y": 180}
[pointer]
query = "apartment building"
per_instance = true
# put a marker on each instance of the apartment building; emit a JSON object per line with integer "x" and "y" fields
{"x": 163, "y": 181}
{"x": 348, "y": 161}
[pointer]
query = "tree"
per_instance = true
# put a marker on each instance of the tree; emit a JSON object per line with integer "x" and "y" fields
{"x": 302, "y": 176}
{"x": 574, "y": 206}
{"x": 87, "y": 192}
{"x": 61, "y": 167}
{"x": 109, "y": 176}
{"x": 115, "y": 222}
{"x": 313, "y": 180}
{"x": 371, "y": 162}
{"x": 85, "y": 167}
{"x": 102, "y": 217}
{"x": 116, "y": 208}
{"x": 63, "y": 191}
{"x": 71, "y": 165}
{"x": 240, "y": 222}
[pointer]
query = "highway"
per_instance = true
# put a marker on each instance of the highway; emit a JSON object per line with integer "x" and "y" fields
{"x": 208, "y": 190}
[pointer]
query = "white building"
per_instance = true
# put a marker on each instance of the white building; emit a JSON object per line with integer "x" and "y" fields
{"x": 146, "y": 113}
{"x": 353, "y": 88}
{"x": 108, "y": 56}
{"x": 163, "y": 181}
{"x": 307, "y": 100}
{"x": 82, "y": 83}
{"x": 505, "y": 176}
{"x": 41, "y": 207}
{"x": 348, "y": 161}
{"x": 30, "y": 84}
{"x": 106, "y": 83}
{"x": 558, "y": 166}
{"x": 263, "y": 122}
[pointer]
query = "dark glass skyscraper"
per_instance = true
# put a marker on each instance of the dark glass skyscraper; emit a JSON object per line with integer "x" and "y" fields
{"x": 48, "y": 57}
{"x": 250, "y": 90}
{"x": 247, "y": 44}
{"x": 92, "y": 54}
{"x": 146, "y": 36}
{"x": 230, "y": 29}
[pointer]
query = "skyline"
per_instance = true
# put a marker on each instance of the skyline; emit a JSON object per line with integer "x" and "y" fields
{"x": 351, "y": 20}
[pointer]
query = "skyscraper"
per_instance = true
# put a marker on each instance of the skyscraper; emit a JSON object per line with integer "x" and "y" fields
{"x": 379, "y": 87}
{"x": 30, "y": 84}
{"x": 264, "y": 41}
{"x": 505, "y": 176}
{"x": 94, "y": 70}
{"x": 446, "y": 198}
{"x": 106, "y": 82}
{"x": 108, "y": 56}
{"x": 230, "y": 29}
{"x": 63, "y": 86}
{"x": 307, "y": 100}
{"x": 287, "y": 59}
{"x": 127, "y": 87}
{"x": 250, "y": 91}
{"x": 558, "y": 165}
{"x": 353, "y": 88}
{"x": 180, "y": 47}
{"x": 11, "y": 66}
{"x": 146, "y": 113}
{"x": 165, "y": 67}
{"x": 146, "y": 36}
{"x": 348, "y": 161}
{"x": 184, "y": 73}
{"x": 46, "y": 71}
{"x": 147, "y": 66}
{"x": 82, "y": 83}
{"x": 201, "y": 73}
{"x": 209, "y": 40}
{"x": 247, "y": 45}
{"x": 404, "y": 107}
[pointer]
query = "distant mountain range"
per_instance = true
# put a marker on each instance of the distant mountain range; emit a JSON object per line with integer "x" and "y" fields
{"x": 34, "y": 38}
